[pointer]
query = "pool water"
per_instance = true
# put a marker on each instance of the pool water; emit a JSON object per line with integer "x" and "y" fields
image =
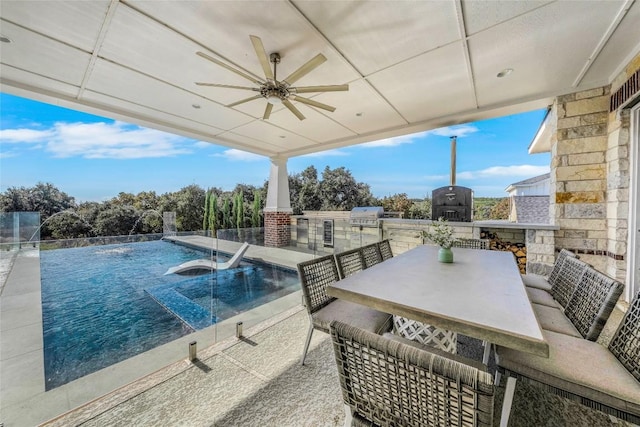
{"x": 105, "y": 304}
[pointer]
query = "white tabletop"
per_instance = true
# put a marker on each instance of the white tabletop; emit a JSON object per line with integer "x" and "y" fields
{"x": 480, "y": 294}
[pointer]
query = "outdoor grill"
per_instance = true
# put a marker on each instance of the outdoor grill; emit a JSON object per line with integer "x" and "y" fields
{"x": 453, "y": 202}
{"x": 366, "y": 216}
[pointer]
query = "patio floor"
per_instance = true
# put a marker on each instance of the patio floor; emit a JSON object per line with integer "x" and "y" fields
{"x": 246, "y": 382}
{"x": 258, "y": 381}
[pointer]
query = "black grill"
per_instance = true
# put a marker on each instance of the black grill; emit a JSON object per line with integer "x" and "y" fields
{"x": 453, "y": 203}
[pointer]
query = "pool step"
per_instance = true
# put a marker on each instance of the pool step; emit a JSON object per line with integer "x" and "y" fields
{"x": 190, "y": 313}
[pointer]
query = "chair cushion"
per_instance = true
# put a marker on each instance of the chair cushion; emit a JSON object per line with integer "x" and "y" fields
{"x": 579, "y": 366}
{"x": 553, "y": 319}
{"x": 352, "y": 314}
{"x": 536, "y": 281}
{"x": 541, "y": 297}
{"x": 431, "y": 349}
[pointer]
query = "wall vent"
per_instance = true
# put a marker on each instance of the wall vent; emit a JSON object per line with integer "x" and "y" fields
{"x": 628, "y": 89}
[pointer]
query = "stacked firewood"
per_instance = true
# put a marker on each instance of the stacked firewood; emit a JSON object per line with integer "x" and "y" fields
{"x": 519, "y": 250}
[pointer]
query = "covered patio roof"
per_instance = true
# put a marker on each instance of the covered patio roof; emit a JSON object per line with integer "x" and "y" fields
{"x": 410, "y": 66}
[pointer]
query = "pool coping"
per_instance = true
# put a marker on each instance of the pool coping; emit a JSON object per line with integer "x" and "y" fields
{"x": 23, "y": 400}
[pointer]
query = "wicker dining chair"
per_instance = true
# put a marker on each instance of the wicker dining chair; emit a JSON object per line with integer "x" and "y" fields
{"x": 371, "y": 255}
{"x": 546, "y": 283}
{"x": 603, "y": 378}
{"x": 385, "y": 249}
{"x": 569, "y": 276}
{"x": 394, "y": 382}
{"x": 472, "y": 243}
{"x": 315, "y": 276}
{"x": 592, "y": 303}
{"x": 349, "y": 262}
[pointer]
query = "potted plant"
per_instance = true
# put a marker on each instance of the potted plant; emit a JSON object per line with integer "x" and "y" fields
{"x": 441, "y": 234}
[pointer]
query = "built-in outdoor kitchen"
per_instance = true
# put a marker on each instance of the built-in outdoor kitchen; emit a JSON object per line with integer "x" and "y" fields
{"x": 336, "y": 231}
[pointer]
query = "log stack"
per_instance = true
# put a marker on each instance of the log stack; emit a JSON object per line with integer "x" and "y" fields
{"x": 519, "y": 250}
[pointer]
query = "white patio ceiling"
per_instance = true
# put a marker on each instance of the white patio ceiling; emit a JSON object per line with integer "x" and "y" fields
{"x": 411, "y": 66}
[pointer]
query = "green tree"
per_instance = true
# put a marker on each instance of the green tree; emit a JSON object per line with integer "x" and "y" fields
{"x": 117, "y": 220}
{"x": 501, "y": 209}
{"x": 239, "y": 210}
{"x": 213, "y": 213}
{"x": 205, "y": 216}
{"x": 340, "y": 191}
{"x": 397, "y": 203}
{"x": 257, "y": 209}
{"x": 226, "y": 213}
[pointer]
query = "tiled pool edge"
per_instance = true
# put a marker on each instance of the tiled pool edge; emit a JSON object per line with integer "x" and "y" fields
{"x": 108, "y": 401}
{"x": 34, "y": 405}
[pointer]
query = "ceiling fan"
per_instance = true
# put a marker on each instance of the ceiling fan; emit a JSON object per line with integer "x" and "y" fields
{"x": 277, "y": 91}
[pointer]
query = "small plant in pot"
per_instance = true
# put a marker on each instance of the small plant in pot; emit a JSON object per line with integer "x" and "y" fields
{"x": 441, "y": 234}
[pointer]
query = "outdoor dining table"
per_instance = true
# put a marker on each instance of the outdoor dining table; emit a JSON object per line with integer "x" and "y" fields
{"x": 480, "y": 294}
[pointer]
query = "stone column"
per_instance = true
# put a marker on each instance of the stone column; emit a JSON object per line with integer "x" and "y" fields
{"x": 579, "y": 174}
{"x": 277, "y": 210}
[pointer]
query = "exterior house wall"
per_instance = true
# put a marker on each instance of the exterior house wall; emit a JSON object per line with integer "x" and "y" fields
{"x": 590, "y": 176}
{"x": 538, "y": 189}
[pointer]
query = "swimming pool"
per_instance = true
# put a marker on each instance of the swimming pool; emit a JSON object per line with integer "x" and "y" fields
{"x": 104, "y": 304}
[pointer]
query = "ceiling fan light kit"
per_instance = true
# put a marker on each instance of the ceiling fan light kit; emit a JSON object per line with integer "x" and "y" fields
{"x": 274, "y": 91}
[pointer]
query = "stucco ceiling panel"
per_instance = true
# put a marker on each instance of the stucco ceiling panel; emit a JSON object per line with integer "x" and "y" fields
{"x": 40, "y": 55}
{"x": 280, "y": 26}
{"x": 76, "y": 23}
{"x": 431, "y": 85}
{"x": 29, "y": 80}
{"x": 143, "y": 90}
{"x": 376, "y": 35}
{"x": 625, "y": 39}
{"x": 480, "y": 15}
{"x": 542, "y": 61}
{"x": 262, "y": 132}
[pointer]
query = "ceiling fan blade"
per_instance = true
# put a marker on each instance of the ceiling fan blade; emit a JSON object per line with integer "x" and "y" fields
{"x": 315, "y": 103}
{"x": 228, "y": 86}
{"x": 262, "y": 57}
{"x": 332, "y": 88}
{"x": 230, "y": 68}
{"x": 267, "y": 111}
{"x": 305, "y": 69}
{"x": 293, "y": 109}
{"x": 233, "y": 104}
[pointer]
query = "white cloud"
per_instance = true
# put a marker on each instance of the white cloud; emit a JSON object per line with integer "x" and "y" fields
{"x": 115, "y": 140}
{"x": 24, "y": 135}
{"x": 239, "y": 155}
{"x": 503, "y": 171}
{"x": 395, "y": 141}
{"x": 327, "y": 153}
{"x": 460, "y": 131}
{"x": 495, "y": 172}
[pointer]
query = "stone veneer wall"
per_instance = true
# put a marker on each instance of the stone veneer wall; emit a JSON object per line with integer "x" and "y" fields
{"x": 590, "y": 177}
{"x": 277, "y": 230}
{"x": 578, "y": 173}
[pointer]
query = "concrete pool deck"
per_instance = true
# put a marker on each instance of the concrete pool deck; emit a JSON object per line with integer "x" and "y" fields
{"x": 23, "y": 400}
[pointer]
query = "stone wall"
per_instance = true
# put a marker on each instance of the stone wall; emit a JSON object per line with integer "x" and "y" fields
{"x": 579, "y": 173}
{"x": 536, "y": 243}
{"x": 590, "y": 176}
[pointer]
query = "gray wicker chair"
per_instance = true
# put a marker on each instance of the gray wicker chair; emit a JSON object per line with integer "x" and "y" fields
{"x": 315, "y": 276}
{"x": 385, "y": 249}
{"x": 546, "y": 283}
{"x": 592, "y": 303}
{"x": 602, "y": 378}
{"x": 371, "y": 255}
{"x": 349, "y": 262}
{"x": 471, "y": 243}
{"x": 393, "y": 382}
{"x": 567, "y": 280}
{"x": 587, "y": 311}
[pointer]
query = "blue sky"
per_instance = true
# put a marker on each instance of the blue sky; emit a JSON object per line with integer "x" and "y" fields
{"x": 93, "y": 158}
